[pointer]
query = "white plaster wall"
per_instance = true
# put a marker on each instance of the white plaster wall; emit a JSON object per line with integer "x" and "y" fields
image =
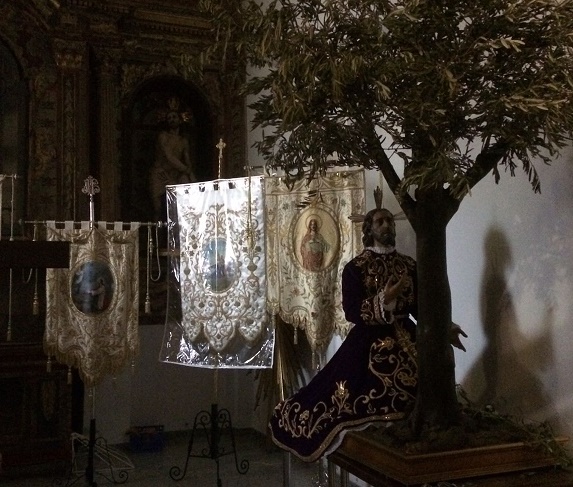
{"x": 510, "y": 257}
{"x": 155, "y": 393}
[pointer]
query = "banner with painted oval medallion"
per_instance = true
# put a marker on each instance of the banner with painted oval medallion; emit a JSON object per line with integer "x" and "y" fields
{"x": 217, "y": 311}
{"x": 92, "y": 308}
{"x": 310, "y": 237}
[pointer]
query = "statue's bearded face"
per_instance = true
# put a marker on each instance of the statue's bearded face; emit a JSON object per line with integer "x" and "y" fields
{"x": 383, "y": 228}
{"x": 173, "y": 119}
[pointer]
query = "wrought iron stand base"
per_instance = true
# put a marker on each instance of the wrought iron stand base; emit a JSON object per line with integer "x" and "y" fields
{"x": 212, "y": 424}
{"x": 112, "y": 465}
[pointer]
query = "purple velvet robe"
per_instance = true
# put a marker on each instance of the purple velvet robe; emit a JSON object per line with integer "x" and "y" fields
{"x": 372, "y": 376}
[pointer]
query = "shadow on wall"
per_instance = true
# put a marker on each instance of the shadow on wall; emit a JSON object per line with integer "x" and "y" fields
{"x": 509, "y": 372}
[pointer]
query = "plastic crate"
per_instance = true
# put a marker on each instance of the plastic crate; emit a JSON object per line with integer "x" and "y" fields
{"x": 146, "y": 438}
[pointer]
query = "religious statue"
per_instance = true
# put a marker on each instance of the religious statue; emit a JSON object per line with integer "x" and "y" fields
{"x": 172, "y": 164}
{"x": 373, "y": 376}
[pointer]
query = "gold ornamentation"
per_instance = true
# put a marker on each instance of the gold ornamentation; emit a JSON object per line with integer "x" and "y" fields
{"x": 70, "y": 55}
{"x": 69, "y": 60}
{"x": 379, "y": 265}
{"x": 133, "y": 74}
{"x": 222, "y": 284}
{"x": 397, "y": 376}
{"x": 340, "y": 395}
{"x": 307, "y": 291}
{"x": 92, "y": 308}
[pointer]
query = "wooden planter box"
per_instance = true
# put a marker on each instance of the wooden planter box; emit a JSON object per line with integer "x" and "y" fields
{"x": 413, "y": 469}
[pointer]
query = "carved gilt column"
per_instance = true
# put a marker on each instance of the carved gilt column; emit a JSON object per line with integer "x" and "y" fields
{"x": 71, "y": 59}
{"x": 108, "y": 140}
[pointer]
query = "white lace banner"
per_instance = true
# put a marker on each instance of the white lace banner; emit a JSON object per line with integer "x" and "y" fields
{"x": 310, "y": 239}
{"x": 92, "y": 308}
{"x": 217, "y": 314}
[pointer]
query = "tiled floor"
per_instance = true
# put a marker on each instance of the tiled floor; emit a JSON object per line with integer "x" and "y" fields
{"x": 265, "y": 468}
{"x": 152, "y": 469}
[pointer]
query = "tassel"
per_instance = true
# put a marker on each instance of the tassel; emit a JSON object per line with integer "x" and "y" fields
{"x": 36, "y": 300}
{"x": 295, "y": 338}
{"x": 49, "y": 365}
{"x": 147, "y": 305}
{"x": 69, "y": 375}
{"x": 9, "y": 332}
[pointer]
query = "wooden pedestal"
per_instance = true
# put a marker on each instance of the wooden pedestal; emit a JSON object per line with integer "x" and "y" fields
{"x": 382, "y": 466}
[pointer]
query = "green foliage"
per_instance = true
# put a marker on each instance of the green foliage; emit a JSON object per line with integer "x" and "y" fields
{"x": 432, "y": 82}
{"x": 436, "y": 94}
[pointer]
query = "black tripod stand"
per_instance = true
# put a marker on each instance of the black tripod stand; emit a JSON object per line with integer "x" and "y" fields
{"x": 112, "y": 465}
{"x": 212, "y": 425}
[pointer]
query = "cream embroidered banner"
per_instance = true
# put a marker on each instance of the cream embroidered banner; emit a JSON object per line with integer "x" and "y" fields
{"x": 217, "y": 313}
{"x": 309, "y": 240}
{"x": 92, "y": 308}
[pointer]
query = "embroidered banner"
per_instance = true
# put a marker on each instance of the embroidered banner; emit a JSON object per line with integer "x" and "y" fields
{"x": 309, "y": 240}
{"x": 217, "y": 314}
{"x": 92, "y": 308}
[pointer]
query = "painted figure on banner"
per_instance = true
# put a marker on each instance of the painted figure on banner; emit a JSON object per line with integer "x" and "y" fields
{"x": 172, "y": 164}
{"x": 92, "y": 287}
{"x": 373, "y": 374}
{"x": 99, "y": 293}
{"x": 220, "y": 268}
{"x": 313, "y": 246}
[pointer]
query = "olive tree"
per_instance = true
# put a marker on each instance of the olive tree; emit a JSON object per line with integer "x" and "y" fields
{"x": 435, "y": 94}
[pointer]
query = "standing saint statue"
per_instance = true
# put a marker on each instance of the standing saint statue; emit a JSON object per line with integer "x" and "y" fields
{"x": 172, "y": 164}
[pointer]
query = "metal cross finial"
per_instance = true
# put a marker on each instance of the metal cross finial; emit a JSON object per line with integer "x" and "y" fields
{"x": 378, "y": 197}
{"x": 221, "y": 145}
{"x": 91, "y": 187}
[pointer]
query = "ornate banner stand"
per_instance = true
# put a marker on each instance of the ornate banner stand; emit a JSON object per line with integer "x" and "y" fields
{"x": 92, "y": 297}
{"x": 217, "y": 311}
{"x": 92, "y": 318}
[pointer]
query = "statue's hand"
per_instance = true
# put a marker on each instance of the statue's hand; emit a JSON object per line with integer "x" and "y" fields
{"x": 394, "y": 287}
{"x": 455, "y": 340}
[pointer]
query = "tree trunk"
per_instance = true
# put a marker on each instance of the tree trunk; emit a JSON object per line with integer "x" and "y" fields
{"x": 436, "y": 402}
